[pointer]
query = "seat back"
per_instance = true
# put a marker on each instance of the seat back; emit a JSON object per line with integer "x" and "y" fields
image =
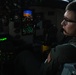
{"x": 69, "y": 69}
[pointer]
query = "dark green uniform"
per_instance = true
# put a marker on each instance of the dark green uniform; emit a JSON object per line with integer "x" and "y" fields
{"x": 61, "y": 54}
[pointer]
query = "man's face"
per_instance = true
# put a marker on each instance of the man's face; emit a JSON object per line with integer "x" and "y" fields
{"x": 69, "y": 23}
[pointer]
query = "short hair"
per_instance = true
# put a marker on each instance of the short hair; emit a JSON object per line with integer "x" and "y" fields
{"x": 71, "y": 6}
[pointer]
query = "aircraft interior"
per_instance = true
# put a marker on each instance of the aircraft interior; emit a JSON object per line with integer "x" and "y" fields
{"x": 32, "y": 25}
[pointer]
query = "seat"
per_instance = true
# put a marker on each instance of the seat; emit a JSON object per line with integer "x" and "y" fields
{"x": 69, "y": 69}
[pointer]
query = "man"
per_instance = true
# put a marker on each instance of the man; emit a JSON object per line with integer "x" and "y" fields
{"x": 65, "y": 53}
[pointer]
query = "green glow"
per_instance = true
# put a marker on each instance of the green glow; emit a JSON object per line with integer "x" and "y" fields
{"x": 3, "y": 39}
{"x": 28, "y": 29}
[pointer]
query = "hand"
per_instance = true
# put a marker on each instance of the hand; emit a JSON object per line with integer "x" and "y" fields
{"x": 49, "y": 58}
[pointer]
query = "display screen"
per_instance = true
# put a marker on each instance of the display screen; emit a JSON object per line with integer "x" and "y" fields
{"x": 27, "y": 27}
{"x": 27, "y": 13}
{"x": 27, "y": 30}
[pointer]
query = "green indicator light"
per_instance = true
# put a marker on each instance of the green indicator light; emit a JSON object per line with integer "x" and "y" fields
{"x": 3, "y": 39}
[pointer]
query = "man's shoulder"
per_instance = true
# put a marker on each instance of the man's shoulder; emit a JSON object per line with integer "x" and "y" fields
{"x": 69, "y": 45}
{"x": 64, "y": 52}
{"x": 64, "y": 49}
